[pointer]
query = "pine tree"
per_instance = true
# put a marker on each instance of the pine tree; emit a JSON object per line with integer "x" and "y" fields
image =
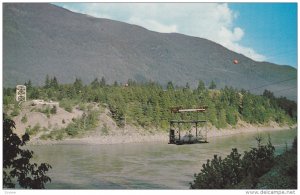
{"x": 212, "y": 85}
{"x": 222, "y": 118}
{"x": 170, "y": 85}
{"x": 95, "y": 83}
{"x": 116, "y": 84}
{"x": 54, "y": 83}
{"x": 47, "y": 81}
{"x": 78, "y": 85}
{"x": 187, "y": 85}
{"x": 102, "y": 82}
{"x": 28, "y": 85}
{"x": 201, "y": 86}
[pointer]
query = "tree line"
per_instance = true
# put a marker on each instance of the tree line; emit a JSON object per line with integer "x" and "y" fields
{"x": 148, "y": 104}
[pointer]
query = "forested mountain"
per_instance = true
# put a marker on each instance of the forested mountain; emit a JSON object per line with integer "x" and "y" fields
{"x": 41, "y": 39}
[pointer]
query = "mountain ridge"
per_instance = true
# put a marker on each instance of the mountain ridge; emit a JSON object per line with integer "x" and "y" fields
{"x": 41, "y": 39}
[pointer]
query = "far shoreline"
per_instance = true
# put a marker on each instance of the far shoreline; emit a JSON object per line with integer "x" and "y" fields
{"x": 157, "y": 137}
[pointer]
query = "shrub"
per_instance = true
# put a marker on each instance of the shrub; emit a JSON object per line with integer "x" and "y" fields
{"x": 283, "y": 174}
{"x": 66, "y": 104}
{"x": 220, "y": 174}
{"x": 91, "y": 119}
{"x": 258, "y": 160}
{"x": 86, "y": 122}
{"x": 34, "y": 130}
{"x": 231, "y": 116}
{"x": 105, "y": 129}
{"x": 164, "y": 124}
{"x": 46, "y": 111}
{"x": 90, "y": 107}
{"x": 24, "y": 119}
{"x": 56, "y": 134}
{"x": 53, "y": 110}
{"x": 72, "y": 129}
{"x": 82, "y": 106}
{"x": 44, "y": 137}
{"x": 15, "y": 112}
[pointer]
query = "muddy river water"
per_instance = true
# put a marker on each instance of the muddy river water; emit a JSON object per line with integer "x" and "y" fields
{"x": 154, "y": 165}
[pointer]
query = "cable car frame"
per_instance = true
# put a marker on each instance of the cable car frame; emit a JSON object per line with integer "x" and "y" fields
{"x": 200, "y": 131}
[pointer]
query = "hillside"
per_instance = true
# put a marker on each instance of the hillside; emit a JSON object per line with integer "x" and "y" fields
{"x": 52, "y": 128}
{"x": 41, "y": 39}
{"x": 76, "y": 111}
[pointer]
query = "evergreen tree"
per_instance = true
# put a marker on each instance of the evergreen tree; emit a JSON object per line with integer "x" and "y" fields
{"x": 78, "y": 85}
{"x": 34, "y": 93}
{"x": 102, "y": 82}
{"x": 116, "y": 84}
{"x": 222, "y": 118}
{"x": 28, "y": 85}
{"x": 170, "y": 85}
{"x": 212, "y": 85}
{"x": 268, "y": 94}
{"x": 131, "y": 82}
{"x": 47, "y": 81}
{"x": 95, "y": 83}
{"x": 201, "y": 86}
{"x": 187, "y": 86}
{"x": 149, "y": 104}
{"x": 54, "y": 83}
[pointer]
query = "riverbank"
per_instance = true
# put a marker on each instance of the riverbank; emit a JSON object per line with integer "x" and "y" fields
{"x": 136, "y": 137}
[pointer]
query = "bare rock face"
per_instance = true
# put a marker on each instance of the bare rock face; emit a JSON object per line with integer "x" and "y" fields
{"x": 41, "y": 39}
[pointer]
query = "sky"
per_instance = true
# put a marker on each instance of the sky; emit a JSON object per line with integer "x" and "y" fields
{"x": 261, "y": 31}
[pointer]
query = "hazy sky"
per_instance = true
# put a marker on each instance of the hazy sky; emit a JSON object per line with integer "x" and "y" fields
{"x": 261, "y": 31}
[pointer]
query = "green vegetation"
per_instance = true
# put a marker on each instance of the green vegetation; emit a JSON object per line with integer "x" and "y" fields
{"x": 225, "y": 173}
{"x": 16, "y": 110}
{"x": 17, "y": 165}
{"x": 34, "y": 130}
{"x": 47, "y": 110}
{"x": 148, "y": 104}
{"x": 82, "y": 106}
{"x": 53, "y": 110}
{"x": 24, "y": 119}
{"x": 105, "y": 130}
{"x": 56, "y": 134}
{"x": 212, "y": 85}
{"x": 77, "y": 127}
{"x": 283, "y": 174}
{"x": 67, "y": 104}
{"x": 258, "y": 168}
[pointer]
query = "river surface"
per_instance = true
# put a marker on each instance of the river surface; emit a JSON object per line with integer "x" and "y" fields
{"x": 154, "y": 165}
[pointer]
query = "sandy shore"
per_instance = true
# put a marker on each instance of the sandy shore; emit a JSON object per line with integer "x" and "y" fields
{"x": 159, "y": 137}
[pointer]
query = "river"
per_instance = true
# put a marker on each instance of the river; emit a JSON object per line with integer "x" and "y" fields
{"x": 154, "y": 165}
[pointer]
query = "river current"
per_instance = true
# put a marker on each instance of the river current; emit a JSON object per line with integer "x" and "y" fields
{"x": 154, "y": 165}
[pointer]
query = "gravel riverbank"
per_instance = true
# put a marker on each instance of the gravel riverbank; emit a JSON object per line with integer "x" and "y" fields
{"x": 158, "y": 137}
